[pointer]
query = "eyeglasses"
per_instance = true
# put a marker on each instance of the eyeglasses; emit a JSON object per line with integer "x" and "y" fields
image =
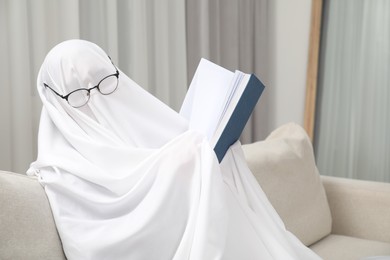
{"x": 79, "y": 97}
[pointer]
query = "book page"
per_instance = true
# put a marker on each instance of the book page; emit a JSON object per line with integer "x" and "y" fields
{"x": 206, "y": 99}
{"x": 238, "y": 76}
{"x": 241, "y": 80}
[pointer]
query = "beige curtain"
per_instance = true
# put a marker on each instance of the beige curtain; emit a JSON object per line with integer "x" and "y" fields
{"x": 146, "y": 38}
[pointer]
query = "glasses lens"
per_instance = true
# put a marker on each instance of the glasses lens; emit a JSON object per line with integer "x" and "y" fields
{"x": 78, "y": 98}
{"x": 108, "y": 85}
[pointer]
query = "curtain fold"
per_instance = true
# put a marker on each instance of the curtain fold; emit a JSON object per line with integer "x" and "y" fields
{"x": 353, "y": 118}
{"x": 15, "y": 97}
{"x": 152, "y": 42}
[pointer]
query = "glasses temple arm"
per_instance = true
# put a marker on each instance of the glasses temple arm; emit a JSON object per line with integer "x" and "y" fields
{"x": 117, "y": 72}
{"x": 58, "y": 94}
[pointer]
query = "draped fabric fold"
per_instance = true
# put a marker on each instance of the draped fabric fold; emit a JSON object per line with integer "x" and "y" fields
{"x": 126, "y": 179}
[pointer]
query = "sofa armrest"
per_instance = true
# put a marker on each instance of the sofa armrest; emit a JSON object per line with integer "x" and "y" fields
{"x": 27, "y": 227}
{"x": 359, "y": 208}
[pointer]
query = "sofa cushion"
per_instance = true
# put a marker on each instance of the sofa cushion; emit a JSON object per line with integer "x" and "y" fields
{"x": 27, "y": 229}
{"x": 350, "y": 248}
{"x": 285, "y": 168}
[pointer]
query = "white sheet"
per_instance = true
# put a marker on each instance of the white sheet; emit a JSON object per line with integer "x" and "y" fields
{"x": 127, "y": 180}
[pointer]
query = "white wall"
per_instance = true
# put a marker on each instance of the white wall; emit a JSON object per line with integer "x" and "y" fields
{"x": 289, "y": 43}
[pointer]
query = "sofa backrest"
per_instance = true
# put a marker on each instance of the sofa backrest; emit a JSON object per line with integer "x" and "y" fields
{"x": 27, "y": 229}
{"x": 284, "y": 166}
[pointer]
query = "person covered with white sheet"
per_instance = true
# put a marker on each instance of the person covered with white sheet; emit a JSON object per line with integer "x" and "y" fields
{"x": 126, "y": 179}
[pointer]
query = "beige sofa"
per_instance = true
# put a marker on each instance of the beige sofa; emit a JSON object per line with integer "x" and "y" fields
{"x": 337, "y": 218}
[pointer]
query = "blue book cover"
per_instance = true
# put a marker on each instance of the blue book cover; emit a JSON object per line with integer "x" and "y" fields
{"x": 241, "y": 113}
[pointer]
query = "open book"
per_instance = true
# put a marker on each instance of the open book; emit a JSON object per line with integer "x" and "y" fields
{"x": 219, "y": 103}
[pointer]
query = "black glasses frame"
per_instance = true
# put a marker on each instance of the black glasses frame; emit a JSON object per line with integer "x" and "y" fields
{"x": 116, "y": 74}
